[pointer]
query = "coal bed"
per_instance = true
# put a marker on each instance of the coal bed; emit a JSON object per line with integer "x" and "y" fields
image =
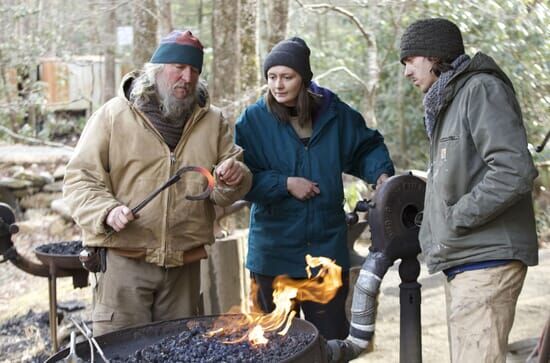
{"x": 194, "y": 346}
{"x": 187, "y": 340}
{"x": 61, "y": 248}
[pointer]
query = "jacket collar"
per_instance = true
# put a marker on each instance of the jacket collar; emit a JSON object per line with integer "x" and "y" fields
{"x": 324, "y": 114}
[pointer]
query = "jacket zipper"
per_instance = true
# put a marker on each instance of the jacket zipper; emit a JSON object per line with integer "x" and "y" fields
{"x": 172, "y": 162}
{"x": 308, "y": 204}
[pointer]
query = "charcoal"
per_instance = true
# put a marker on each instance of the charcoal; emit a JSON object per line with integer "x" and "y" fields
{"x": 192, "y": 346}
{"x": 66, "y": 248}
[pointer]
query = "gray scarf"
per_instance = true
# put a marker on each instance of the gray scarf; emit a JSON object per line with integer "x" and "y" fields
{"x": 433, "y": 100}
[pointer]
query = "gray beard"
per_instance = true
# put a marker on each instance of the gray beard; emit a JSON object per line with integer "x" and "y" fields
{"x": 174, "y": 110}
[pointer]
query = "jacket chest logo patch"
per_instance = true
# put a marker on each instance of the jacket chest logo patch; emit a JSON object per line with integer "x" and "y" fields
{"x": 443, "y": 154}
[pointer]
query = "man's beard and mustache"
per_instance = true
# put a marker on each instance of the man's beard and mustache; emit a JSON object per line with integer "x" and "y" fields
{"x": 173, "y": 109}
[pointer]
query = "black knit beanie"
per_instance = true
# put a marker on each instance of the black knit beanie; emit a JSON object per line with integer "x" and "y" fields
{"x": 293, "y": 53}
{"x": 432, "y": 38}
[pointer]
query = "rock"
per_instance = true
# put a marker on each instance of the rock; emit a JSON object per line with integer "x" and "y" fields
{"x": 20, "y": 193}
{"x": 14, "y": 183}
{"x": 59, "y": 172}
{"x": 20, "y": 154}
{"x": 14, "y": 169}
{"x": 59, "y": 206}
{"x": 54, "y": 187}
{"x": 38, "y": 200}
{"x": 37, "y": 179}
{"x": 58, "y": 226}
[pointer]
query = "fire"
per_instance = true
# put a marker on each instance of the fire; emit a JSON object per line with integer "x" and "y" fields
{"x": 320, "y": 288}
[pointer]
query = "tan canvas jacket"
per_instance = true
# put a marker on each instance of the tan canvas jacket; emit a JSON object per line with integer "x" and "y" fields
{"x": 121, "y": 158}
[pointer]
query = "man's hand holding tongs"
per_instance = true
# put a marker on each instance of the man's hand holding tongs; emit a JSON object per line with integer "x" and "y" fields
{"x": 119, "y": 217}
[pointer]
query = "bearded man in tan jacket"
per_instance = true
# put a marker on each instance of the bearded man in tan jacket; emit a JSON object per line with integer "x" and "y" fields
{"x": 160, "y": 121}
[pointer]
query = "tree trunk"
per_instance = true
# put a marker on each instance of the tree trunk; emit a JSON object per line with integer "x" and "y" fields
{"x": 200, "y": 10}
{"x": 165, "y": 17}
{"x": 373, "y": 69}
{"x": 109, "y": 42}
{"x": 278, "y": 21}
{"x": 226, "y": 52}
{"x": 249, "y": 63}
{"x": 145, "y": 31}
{"x": 263, "y": 32}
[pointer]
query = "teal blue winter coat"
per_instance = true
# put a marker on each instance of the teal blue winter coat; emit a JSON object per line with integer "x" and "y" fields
{"x": 284, "y": 229}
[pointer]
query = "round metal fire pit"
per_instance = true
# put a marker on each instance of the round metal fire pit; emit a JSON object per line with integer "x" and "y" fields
{"x": 68, "y": 261}
{"x": 61, "y": 259}
{"x": 124, "y": 343}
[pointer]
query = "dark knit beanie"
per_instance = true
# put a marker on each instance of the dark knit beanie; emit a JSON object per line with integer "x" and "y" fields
{"x": 180, "y": 47}
{"x": 432, "y": 38}
{"x": 293, "y": 53}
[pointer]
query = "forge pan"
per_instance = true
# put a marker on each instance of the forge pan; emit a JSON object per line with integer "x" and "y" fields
{"x": 125, "y": 342}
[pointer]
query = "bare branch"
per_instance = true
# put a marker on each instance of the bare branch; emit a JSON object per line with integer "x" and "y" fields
{"x": 343, "y": 69}
{"x": 367, "y": 34}
{"x": 32, "y": 140}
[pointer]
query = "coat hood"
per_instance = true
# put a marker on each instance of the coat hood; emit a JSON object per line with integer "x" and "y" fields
{"x": 480, "y": 63}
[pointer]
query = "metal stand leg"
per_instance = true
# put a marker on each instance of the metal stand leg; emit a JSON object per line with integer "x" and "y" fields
{"x": 409, "y": 300}
{"x": 53, "y": 310}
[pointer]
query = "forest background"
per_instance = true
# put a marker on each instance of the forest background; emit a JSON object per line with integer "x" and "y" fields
{"x": 50, "y": 48}
{"x": 354, "y": 52}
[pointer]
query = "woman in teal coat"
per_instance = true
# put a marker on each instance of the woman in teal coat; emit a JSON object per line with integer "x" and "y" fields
{"x": 297, "y": 141}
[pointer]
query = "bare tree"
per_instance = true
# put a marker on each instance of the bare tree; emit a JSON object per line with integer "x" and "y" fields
{"x": 277, "y": 21}
{"x": 262, "y": 30}
{"x": 145, "y": 31}
{"x": 226, "y": 50}
{"x": 247, "y": 32}
{"x": 109, "y": 42}
{"x": 373, "y": 69}
{"x": 165, "y": 17}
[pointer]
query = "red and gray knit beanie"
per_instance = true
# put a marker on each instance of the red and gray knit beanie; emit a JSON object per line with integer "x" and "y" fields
{"x": 293, "y": 53}
{"x": 434, "y": 37}
{"x": 181, "y": 47}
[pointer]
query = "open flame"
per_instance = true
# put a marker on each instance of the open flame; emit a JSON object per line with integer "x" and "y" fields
{"x": 320, "y": 288}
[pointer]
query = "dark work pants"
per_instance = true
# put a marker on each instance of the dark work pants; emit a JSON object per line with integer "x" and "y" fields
{"x": 330, "y": 319}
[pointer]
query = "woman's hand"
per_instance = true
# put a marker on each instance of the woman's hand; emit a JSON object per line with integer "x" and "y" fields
{"x": 230, "y": 172}
{"x": 302, "y": 188}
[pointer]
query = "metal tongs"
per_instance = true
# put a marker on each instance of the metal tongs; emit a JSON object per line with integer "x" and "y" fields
{"x": 174, "y": 179}
{"x": 87, "y": 333}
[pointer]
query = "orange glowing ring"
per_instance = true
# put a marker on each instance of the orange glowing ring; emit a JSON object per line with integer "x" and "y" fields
{"x": 199, "y": 169}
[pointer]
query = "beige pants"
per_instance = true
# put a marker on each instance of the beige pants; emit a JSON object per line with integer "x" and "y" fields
{"x": 133, "y": 292}
{"x": 480, "y": 312}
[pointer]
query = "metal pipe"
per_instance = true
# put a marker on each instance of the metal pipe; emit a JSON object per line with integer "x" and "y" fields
{"x": 363, "y": 310}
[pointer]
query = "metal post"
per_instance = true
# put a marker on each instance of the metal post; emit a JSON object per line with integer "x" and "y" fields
{"x": 409, "y": 301}
{"x": 53, "y": 308}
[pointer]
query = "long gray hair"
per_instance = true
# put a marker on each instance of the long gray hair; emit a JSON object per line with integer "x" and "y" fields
{"x": 149, "y": 87}
{"x": 144, "y": 87}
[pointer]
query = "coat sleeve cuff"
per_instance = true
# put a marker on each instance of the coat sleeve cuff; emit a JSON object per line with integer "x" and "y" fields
{"x": 283, "y": 190}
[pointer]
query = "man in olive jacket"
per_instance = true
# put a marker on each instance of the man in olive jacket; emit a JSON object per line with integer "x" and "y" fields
{"x": 478, "y": 226}
{"x": 161, "y": 120}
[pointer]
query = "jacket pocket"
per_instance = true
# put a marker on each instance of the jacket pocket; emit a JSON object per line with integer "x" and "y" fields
{"x": 190, "y": 220}
{"x": 447, "y": 168}
{"x": 455, "y": 229}
{"x": 275, "y": 229}
{"x": 150, "y": 213}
